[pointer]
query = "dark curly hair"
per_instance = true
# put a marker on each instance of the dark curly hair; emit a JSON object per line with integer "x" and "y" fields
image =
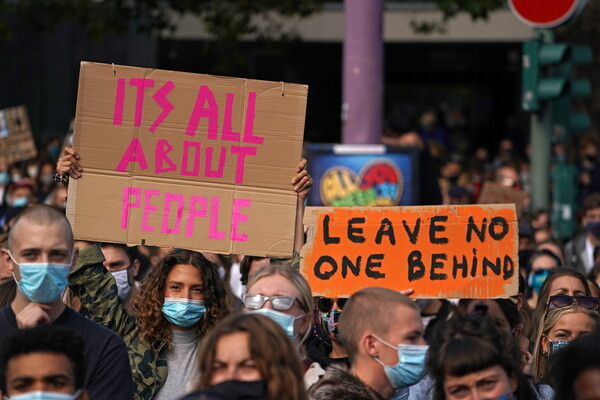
{"x": 152, "y": 324}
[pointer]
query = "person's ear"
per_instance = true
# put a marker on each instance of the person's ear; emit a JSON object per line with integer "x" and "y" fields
{"x": 7, "y": 260}
{"x": 545, "y": 344}
{"x": 369, "y": 345}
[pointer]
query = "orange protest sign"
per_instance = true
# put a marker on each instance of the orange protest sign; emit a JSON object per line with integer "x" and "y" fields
{"x": 439, "y": 251}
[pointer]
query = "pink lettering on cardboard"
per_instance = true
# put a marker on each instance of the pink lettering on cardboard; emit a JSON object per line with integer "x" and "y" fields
{"x": 141, "y": 85}
{"x": 160, "y": 97}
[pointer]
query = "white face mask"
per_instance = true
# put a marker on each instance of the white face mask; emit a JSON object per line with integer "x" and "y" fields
{"x": 41, "y": 395}
{"x": 32, "y": 171}
{"x": 122, "y": 279}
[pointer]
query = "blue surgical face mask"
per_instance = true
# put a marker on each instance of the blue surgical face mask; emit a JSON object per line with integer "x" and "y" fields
{"x": 54, "y": 151}
{"x": 42, "y": 282}
{"x": 411, "y": 364}
{"x": 4, "y": 178}
{"x": 537, "y": 278}
{"x": 41, "y": 395}
{"x": 20, "y": 201}
{"x": 183, "y": 312}
{"x": 556, "y": 345}
{"x": 285, "y": 321}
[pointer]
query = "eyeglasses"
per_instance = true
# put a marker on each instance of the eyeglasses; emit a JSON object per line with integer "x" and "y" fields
{"x": 563, "y": 300}
{"x": 279, "y": 303}
{"x": 325, "y": 304}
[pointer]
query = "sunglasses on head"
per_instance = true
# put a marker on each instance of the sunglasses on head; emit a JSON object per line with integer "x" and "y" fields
{"x": 563, "y": 300}
{"x": 325, "y": 304}
{"x": 257, "y": 301}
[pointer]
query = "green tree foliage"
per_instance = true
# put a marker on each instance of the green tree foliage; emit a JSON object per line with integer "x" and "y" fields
{"x": 225, "y": 19}
{"x": 476, "y": 9}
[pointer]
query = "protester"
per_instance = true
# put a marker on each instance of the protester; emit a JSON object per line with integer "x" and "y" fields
{"x": 383, "y": 334}
{"x": 180, "y": 300}
{"x": 282, "y": 294}
{"x": 565, "y": 281}
{"x": 42, "y": 363}
{"x": 434, "y": 311}
{"x": 123, "y": 263}
{"x": 40, "y": 252}
{"x": 588, "y": 178}
{"x": 576, "y": 369}
{"x": 329, "y": 349}
{"x": 567, "y": 319}
{"x": 505, "y": 316}
{"x": 579, "y": 251}
{"x": 20, "y": 193}
{"x": 44, "y": 180}
{"x": 248, "y": 356}
{"x": 540, "y": 265}
{"x": 470, "y": 359}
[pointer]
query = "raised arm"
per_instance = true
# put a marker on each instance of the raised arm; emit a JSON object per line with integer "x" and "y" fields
{"x": 97, "y": 291}
{"x": 302, "y": 185}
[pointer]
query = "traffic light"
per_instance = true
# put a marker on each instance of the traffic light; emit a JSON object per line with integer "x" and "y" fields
{"x": 566, "y": 119}
{"x": 538, "y": 81}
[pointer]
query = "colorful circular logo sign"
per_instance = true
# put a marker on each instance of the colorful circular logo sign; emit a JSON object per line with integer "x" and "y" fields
{"x": 379, "y": 183}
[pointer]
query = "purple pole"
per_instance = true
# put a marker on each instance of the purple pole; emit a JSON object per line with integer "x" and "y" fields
{"x": 362, "y": 108}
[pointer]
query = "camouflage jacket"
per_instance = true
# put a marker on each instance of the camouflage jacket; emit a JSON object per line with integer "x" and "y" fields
{"x": 97, "y": 290}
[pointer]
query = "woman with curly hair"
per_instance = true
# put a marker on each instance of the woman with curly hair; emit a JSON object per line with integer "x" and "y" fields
{"x": 249, "y": 356}
{"x": 180, "y": 300}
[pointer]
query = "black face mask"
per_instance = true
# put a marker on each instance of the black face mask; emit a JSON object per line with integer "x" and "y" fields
{"x": 590, "y": 158}
{"x": 241, "y": 390}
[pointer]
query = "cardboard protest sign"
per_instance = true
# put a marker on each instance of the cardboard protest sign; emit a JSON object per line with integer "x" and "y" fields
{"x": 439, "y": 251}
{"x": 496, "y": 193}
{"x": 16, "y": 139}
{"x": 186, "y": 160}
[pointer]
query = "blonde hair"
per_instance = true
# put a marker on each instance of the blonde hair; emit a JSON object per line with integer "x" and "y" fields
{"x": 551, "y": 317}
{"x": 292, "y": 275}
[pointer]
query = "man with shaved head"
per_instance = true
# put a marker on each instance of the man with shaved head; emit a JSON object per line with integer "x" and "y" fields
{"x": 39, "y": 254}
{"x": 383, "y": 334}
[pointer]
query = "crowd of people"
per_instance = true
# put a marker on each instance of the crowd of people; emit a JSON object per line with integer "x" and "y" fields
{"x": 82, "y": 320}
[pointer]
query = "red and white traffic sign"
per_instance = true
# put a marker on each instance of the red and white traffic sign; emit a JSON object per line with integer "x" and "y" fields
{"x": 544, "y": 13}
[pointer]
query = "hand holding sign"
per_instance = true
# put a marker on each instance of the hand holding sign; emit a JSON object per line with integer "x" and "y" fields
{"x": 68, "y": 164}
{"x": 303, "y": 181}
{"x": 186, "y": 160}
